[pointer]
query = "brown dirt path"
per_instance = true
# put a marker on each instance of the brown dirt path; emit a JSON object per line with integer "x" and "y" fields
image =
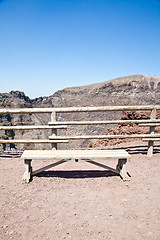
{"x": 88, "y": 205}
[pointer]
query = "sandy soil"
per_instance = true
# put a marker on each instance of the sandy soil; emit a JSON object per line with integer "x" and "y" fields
{"x": 83, "y": 203}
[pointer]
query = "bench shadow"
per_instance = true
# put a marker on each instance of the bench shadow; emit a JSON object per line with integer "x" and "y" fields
{"x": 77, "y": 174}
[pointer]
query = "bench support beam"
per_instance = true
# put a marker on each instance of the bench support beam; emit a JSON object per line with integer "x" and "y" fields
{"x": 102, "y": 165}
{"x": 47, "y": 167}
{"x": 28, "y": 172}
{"x": 120, "y": 168}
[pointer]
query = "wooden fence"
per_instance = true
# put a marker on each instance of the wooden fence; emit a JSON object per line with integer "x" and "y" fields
{"x": 54, "y": 124}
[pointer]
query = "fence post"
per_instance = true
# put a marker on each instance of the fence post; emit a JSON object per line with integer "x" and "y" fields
{"x": 54, "y": 130}
{"x": 151, "y": 131}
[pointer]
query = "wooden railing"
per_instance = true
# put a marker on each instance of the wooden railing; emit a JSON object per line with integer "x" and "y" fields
{"x": 79, "y": 109}
{"x": 54, "y": 124}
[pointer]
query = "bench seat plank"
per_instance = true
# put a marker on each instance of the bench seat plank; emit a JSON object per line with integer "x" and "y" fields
{"x": 69, "y": 154}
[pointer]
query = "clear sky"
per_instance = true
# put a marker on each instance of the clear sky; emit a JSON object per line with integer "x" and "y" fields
{"x": 47, "y": 45}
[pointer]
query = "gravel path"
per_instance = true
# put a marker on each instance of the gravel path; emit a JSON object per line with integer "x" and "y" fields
{"x": 85, "y": 203}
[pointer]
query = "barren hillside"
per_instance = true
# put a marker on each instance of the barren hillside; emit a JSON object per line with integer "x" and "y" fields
{"x": 130, "y": 90}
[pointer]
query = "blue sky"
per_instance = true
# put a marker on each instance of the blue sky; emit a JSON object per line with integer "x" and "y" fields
{"x": 47, "y": 45}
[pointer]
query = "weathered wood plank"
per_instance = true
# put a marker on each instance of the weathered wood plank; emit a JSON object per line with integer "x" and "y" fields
{"x": 102, "y": 166}
{"x": 25, "y": 110}
{"x": 102, "y": 136}
{"x": 151, "y": 139}
{"x": 28, "y": 172}
{"x": 77, "y": 109}
{"x": 121, "y": 167}
{"x": 47, "y": 167}
{"x": 32, "y": 141}
{"x": 31, "y": 127}
{"x": 107, "y": 108}
{"x": 105, "y": 122}
{"x": 74, "y": 154}
{"x": 149, "y": 124}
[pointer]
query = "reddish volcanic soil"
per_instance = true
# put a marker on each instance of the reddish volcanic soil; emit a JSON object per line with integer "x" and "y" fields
{"x": 126, "y": 129}
{"x": 90, "y": 204}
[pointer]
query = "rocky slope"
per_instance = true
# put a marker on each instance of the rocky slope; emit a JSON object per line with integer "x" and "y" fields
{"x": 130, "y": 90}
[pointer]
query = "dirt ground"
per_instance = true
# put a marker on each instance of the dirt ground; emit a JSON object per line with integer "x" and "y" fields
{"x": 85, "y": 202}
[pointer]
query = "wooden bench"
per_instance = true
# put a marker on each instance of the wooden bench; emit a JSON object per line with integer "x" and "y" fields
{"x": 67, "y": 155}
{"x": 90, "y": 156}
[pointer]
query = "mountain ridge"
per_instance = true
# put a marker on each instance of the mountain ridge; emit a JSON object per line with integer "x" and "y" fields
{"x": 20, "y": 98}
{"x": 118, "y": 81}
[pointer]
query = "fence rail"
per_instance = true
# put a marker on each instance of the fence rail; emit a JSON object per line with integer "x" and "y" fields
{"x": 78, "y": 109}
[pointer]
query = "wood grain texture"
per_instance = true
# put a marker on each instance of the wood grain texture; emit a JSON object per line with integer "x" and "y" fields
{"x": 103, "y": 136}
{"x": 149, "y": 121}
{"x": 72, "y": 154}
{"x": 78, "y": 109}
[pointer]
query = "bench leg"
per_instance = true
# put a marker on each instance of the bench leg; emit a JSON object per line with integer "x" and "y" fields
{"x": 28, "y": 172}
{"x": 121, "y": 168}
